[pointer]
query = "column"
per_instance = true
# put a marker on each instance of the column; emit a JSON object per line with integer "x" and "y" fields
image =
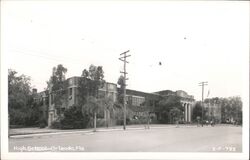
{"x": 50, "y": 119}
{"x": 183, "y": 105}
{"x": 105, "y": 114}
{"x": 186, "y": 113}
{"x": 189, "y": 112}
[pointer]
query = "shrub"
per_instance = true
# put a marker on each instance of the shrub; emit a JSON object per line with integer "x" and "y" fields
{"x": 42, "y": 123}
{"x": 17, "y": 117}
{"x": 74, "y": 118}
{"x": 100, "y": 123}
{"x": 120, "y": 121}
{"x": 56, "y": 125}
{"x": 134, "y": 121}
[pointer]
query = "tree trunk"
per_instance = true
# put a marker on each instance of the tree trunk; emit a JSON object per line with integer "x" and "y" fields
{"x": 148, "y": 119}
{"x": 105, "y": 117}
{"x": 95, "y": 122}
{"x": 108, "y": 118}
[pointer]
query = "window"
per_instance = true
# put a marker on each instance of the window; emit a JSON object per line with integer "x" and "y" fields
{"x": 111, "y": 87}
{"x": 112, "y": 95}
{"x": 137, "y": 101}
{"x": 70, "y": 93}
{"x": 101, "y": 94}
{"x": 70, "y": 81}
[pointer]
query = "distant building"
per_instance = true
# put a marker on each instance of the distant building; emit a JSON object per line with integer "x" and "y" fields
{"x": 213, "y": 111}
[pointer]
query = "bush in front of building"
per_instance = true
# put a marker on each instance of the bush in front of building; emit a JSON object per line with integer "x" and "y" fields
{"x": 42, "y": 123}
{"x": 100, "y": 123}
{"x": 120, "y": 122}
{"x": 56, "y": 125}
{"x": 24, "y": 118}
{"x": 74, "y": 118}
{"x": 136, "y": 121}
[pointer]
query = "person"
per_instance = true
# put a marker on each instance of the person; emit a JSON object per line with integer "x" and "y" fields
{"x": 177, "y": 123}
{"x": 212, "y": 123}
{"x": 236, "y": 122}
{"x": 207, "y": 122}
{"x": 198, "y": 121}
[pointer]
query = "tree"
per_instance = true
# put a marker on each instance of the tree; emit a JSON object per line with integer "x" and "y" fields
{"x": 21, "y": 106}
{"x": 74, "y": 118}
{"x": 149, "y": 107}
{"x": 237, "y": 109}
{"x": 92, "y": 106}
{"x": 120, "y": 92}
{"x": 175, "y": 114}
{"x": 19, "y": 90}
{"x": 90, "y": 82}
{"x": 197, "y": 111}
{"x": 58, "y": 86}
{"x": 84, "y": 87}
{"x": 108, "y": 106}
{"x": 57, "y": 78}
{"x": 231, "y": 110}
{"x": 164, "y": 107}
{"x": 96, "y": 75}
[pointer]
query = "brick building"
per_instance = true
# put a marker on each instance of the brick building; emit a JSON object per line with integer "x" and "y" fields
{"x": 135, "y": 100}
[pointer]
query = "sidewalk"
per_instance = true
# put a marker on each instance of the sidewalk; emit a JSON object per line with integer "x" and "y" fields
{"x": 24, "y": 132}
{"x": 37, "y": 132}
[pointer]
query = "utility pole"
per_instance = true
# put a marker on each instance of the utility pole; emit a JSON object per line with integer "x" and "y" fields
{"x": 202, "y": 84}
{"x": 123, "y": 58}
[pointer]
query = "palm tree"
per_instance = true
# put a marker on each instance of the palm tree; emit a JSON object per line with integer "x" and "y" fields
{"x": 92, "y": 106}
{"x": 148, "y": 108}
{"x": 175, "y": 115}
{"x": 108, "y": 106}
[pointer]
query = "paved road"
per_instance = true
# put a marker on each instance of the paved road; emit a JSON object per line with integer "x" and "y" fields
{"x": 182, "y": 139}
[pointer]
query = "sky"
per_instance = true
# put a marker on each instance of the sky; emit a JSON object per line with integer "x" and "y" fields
{"x": 194, "y": 41}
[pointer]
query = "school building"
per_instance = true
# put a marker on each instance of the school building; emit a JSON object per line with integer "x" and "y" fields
{"x": 134, "y": 99}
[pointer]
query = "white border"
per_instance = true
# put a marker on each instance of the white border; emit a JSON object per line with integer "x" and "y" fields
{"x": 121, "y": 155}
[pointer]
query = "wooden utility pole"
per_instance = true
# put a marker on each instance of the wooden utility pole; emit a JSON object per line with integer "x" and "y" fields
{"x": 123, "y": 58}
{"x": 202, "y": 84}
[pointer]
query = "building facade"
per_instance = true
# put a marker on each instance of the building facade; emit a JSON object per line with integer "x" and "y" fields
{"x": 71, "y": 97}
{"x": 135, "y": 100}
{"x": 213, "y": 111}
{"x": 187, "y": 102}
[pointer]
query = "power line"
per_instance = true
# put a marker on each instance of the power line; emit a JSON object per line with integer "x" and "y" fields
{"x": 202, "y": 84}
{"x": 123, "y": 58}
{"x": 48, "y": 57}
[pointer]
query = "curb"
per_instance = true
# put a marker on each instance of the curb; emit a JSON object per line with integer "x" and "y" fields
{"x": 45, "y": 134}
{"x": 30, "y": 135}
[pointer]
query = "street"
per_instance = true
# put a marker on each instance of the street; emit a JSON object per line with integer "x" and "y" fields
{"x": 182, "y": 139}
